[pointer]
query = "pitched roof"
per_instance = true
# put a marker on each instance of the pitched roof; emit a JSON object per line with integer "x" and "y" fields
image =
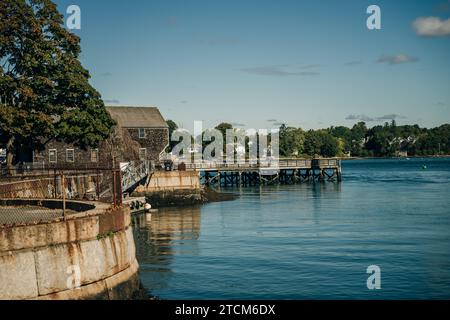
{"x": 137, "y": 117}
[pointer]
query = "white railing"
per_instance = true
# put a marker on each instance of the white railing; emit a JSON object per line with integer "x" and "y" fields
{"x": 281, "y": 164}
{"x": 133, "y": 174}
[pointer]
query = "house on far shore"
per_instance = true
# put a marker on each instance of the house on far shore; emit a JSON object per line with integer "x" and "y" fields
{"x": 401, "y": 154}
{"x": 144, "y": 127}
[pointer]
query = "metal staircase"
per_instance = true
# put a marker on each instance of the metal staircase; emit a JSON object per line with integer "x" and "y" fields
{"x": 133, "y": 174}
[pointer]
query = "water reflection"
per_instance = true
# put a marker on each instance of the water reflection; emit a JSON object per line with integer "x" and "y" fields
{"x": 160, "y": 237}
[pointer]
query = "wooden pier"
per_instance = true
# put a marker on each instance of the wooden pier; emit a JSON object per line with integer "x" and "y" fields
{"x": 287, "y": 171}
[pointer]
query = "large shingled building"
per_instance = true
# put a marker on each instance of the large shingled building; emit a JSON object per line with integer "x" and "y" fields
{"x": 145, "y": 126}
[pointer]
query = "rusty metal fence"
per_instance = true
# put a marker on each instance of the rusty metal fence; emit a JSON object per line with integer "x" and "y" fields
{"x": 61, "y": 185}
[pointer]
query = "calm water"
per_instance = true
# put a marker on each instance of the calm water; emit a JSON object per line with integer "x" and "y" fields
{"x": 309, "y": 241}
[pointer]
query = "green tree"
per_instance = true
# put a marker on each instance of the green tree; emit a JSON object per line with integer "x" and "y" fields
{"x": 45, "y": 91}
{"x": 329, "y": 145}
{"x": 172, "y": 128}
{"x": 291, "y": 141}
{"x": 380, "y": 141}
{"x": 321, "y": 143}
{"x": 344, "y": 136}
{"x": 357, "y": 139}
{"x": 312, "y": 143}
{"x": 223, "y": 127}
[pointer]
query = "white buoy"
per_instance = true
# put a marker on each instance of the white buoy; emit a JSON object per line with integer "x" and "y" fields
{"x": 147, "y": 206}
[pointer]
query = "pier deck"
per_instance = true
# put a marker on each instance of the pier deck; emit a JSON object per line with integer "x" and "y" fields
{"x": 285, "y": 171}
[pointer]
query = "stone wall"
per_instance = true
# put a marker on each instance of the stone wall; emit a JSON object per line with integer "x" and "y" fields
{"x": 81, "y": 156}
{"x": 155, "y": 141}
{"x": 89, "y": 256}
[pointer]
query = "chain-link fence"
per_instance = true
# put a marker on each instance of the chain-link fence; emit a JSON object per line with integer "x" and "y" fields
{"x": 41, "y": 194}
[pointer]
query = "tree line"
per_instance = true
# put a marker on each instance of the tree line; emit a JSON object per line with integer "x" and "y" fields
{"x": 388, "y": 140}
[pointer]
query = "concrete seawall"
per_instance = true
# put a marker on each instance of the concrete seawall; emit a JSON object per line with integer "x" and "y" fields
{"x": 172, "y": 188}
{"x": 89, "y": 256}
{"x": 48, "y": 187}
{"x": 172, "y": 180}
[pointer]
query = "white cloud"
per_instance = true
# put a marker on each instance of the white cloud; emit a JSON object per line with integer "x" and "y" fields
{"x": 365, "y": 118}
{"x": 397, "y": 59}
{"x": 432, "y": 27}
{"x": 353, "y": 63}
{"x": 278, "y": 71}
{"x": 112, "y": 101}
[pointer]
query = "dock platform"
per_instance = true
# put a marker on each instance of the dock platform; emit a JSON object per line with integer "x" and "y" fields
{"x": 285, "y": 171}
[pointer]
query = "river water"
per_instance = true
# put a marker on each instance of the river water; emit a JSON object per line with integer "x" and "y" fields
{"x": 308, "y": 241}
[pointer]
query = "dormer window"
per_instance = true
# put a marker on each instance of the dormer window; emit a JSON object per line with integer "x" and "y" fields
{"x": 141, "y": 133}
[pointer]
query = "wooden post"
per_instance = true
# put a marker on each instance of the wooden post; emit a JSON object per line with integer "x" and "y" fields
{"x": 114, "y": 187}
{"x": 118, "y": 188}
{"x": 55, "y": 181}
{"x": 97, "y": 186}
{"x": 63, "y": 187}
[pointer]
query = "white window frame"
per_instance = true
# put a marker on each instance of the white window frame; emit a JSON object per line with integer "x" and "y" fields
{"x": 50, "y": 151}
{"x": 94, "y": 152}
{"x": 73, "y": 155}
{"x": 141, "y": 136}
{"x": 140, "y": 154}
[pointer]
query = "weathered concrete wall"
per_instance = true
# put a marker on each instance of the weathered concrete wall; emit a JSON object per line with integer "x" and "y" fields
{"x": 172, "y": 180}
{"x": 77, "y": 186}
{"x": 90, "y": 256}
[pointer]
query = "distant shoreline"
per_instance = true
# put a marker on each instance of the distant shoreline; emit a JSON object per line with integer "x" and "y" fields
{"x": 371, "y": 158}
{"x": 409, "y": 157}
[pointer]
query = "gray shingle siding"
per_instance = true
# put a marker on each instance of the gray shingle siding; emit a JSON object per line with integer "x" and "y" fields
{"x": 155, "y": 141}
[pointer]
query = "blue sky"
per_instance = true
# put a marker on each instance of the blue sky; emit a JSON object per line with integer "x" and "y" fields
{"x": 305, "y": 63}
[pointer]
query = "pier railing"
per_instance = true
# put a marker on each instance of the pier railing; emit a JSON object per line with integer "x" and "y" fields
{"x": 270, "y": 164}
{"x": 325, "y": 163}
{"x": 133, "y": 173}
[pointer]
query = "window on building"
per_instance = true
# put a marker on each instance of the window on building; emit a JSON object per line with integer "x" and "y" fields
{"x": 70, "y": 155}
{"x": 142, "y": 154}
{"x": 52, "y": 156}
{"x": 94, "y": 155}
{"x": 141, "y": 133}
